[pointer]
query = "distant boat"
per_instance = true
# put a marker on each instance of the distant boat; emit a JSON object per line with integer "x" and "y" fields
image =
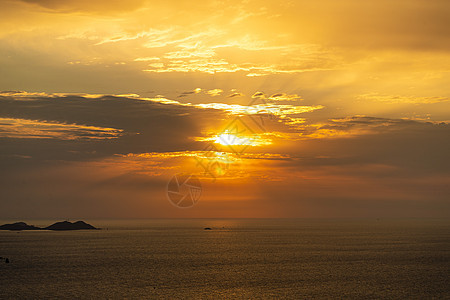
{"x": 207, "y": 228}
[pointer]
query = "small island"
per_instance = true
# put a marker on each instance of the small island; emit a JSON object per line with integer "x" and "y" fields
{"x": 65, "y": 225}
{"x": 18, "y": 226}
{"x": 58, "y": 226}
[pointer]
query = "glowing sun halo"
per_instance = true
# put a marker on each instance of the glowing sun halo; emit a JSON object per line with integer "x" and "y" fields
{"x": 229, "y": 139}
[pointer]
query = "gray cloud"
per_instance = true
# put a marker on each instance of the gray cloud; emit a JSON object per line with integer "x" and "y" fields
{"x": 413, "y": 148}
{"x": 235, "y": 95}
{"x": 96, "y": 6}
{"x": 145, "y": 126}
{"x": 258, "y": 95}
{"x": 383, "y": 167}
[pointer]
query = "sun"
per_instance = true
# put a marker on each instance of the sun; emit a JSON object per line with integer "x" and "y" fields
{"x": 228, "y": 139}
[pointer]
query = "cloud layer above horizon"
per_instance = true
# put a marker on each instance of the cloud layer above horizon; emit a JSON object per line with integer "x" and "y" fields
{"x": 125, "y": 149}
{"x": 347, "y": 104}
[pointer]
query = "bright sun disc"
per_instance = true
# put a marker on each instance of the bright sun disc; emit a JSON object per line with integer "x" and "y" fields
{"x": 228, "y": 139}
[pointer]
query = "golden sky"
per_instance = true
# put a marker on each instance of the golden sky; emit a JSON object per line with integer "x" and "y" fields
{"x": 343, "y": 107}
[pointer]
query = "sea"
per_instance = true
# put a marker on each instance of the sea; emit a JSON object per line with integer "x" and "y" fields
{"x": 236, "y": 259}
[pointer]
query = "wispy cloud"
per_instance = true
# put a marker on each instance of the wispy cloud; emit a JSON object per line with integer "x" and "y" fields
{"x": 277, "y": 97}
{"x": 153, "y": 34}
{"x": 214, "y": 92}
{"x": 195, "y": 91}
{"x": 23, "y": 128}
{"x": 236, "y": 94}
{"x": 399, "y": 99}
{"x": 281, "y": 110}
{"x": 284, "y": 97}
{"x": 147, "y": 59}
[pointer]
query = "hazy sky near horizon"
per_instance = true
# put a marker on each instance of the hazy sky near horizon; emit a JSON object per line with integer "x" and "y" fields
{"x": 346, "y": 106}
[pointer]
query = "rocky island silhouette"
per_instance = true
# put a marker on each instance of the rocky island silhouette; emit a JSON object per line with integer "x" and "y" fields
{"x": 59, "y": 226}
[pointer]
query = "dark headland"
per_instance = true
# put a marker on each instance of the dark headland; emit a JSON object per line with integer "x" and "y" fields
{"x": 64, "y": 225}
{"x": 19, "y": 226}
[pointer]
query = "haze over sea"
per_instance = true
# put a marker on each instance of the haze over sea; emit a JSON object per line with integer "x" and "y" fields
{"x": 238, "y": 258}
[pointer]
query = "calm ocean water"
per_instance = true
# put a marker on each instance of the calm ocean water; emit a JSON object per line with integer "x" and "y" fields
{"x": 238, "y": 258}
